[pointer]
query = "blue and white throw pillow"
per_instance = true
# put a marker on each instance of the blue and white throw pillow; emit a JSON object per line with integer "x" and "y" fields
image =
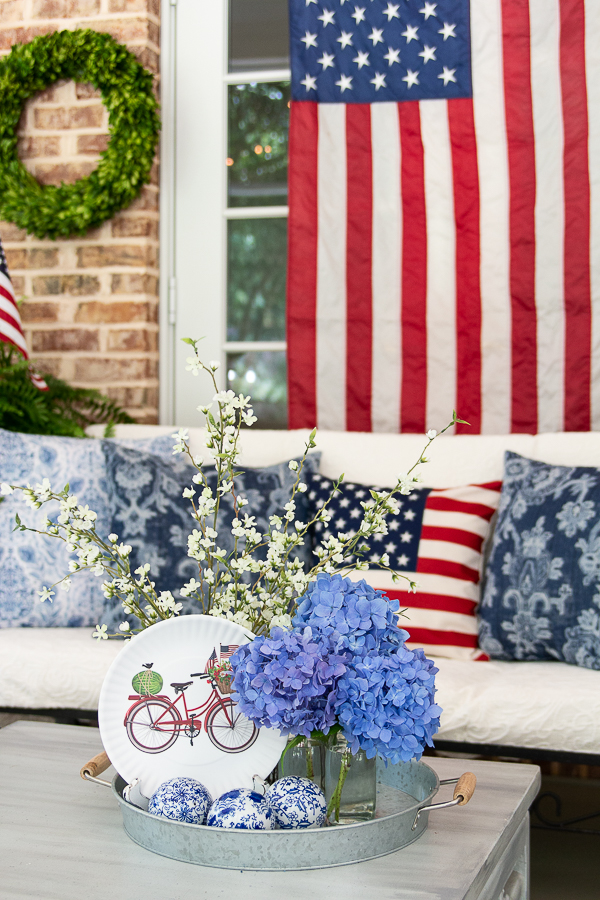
{"x": 542, "y": 589}
{"x": 150, "y": 514}
{"x": 29, "y": 561}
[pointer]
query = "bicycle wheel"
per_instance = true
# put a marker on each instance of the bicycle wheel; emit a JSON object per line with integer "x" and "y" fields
{"x": 153, "y": 726}
{"x": 229, "y": 729}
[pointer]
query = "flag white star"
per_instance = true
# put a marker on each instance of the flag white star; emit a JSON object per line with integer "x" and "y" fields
{"x": 448, "y": 75}
{"x": 359, "y": 14}
{"x": 447, "y": 31}
{"x": 427, "y": 53}
{"x": 411, "y": 78}
{"x": 378, "y": 81}
{"x": 326, "y": 60}
{"x": 354, "y": 513}
{"x": 390, "y": 547}
{"x": 344, "y": 502}
{"x": 345, "y": 39}
{"x": 409, "y": 514}
{"x": 340, "y": 523}
{"x": 406, "y": 537}
{"x": 327, "y": 17}
{"x": 310, "y": 82}
{"x": 393, "y": 525}
{"x": 403, "y": 560}
{"x": 361, "y": 493}
{"x": 310, "y": 40}
{"x": 411, "y": 33}
{"x": 362, "y": 59}
{"x": 311, "y": 1}
{"x": 429, "y": 10}
{"x": 392, "y": 56}
{"x": 345, "y": 83}
{"x": 391, "y": 12}
{"x": 375, "y": 36}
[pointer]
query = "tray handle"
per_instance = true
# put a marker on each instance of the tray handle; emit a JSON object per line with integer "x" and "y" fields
{"x": 464, "y": 790}
{"x": 95, "y": 767}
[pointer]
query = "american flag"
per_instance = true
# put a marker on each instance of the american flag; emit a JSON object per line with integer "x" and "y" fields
{"x": 444, "y": 227}
{"x": 11, "y": 329}
{"x": 228, "y": 650}
{"x": 211, "y": 661}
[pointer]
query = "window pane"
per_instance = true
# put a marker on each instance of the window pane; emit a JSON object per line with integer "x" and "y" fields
{"x": 256, "y": 268}
{"x": 258, "y": 142}
{"x": 263, "y": 376}
{"x": 258, "y": 35}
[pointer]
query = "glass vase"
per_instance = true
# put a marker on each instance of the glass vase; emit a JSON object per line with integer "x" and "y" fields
{"x": 350, "y": 784}
{"x": 307, "y": 760}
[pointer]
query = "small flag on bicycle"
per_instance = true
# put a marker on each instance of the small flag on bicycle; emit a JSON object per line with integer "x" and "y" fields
{"x": 228, "y": 650}
{"x": 211, "y": 662}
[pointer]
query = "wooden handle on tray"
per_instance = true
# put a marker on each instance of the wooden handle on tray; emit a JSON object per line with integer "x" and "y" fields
{"x": 96, "y": 766}
{"x": 465, "y": 787}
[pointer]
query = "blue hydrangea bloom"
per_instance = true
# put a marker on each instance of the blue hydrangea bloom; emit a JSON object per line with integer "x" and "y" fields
{"x": 345, "y": 662}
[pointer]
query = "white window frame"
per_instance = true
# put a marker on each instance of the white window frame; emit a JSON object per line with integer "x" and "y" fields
{"x": 193, "y": 200}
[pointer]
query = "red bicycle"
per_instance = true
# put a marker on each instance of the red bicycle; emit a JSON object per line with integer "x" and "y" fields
{"x": 154, "y": 723}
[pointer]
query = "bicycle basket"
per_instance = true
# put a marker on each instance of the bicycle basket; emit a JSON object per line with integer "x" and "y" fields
{"x": 224, "y": 682}
{"x": 147, "y": 683}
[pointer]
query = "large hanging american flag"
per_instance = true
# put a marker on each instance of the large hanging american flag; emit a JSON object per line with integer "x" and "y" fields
{"x": 11, "y": 329}
{"x": 444, "y": 227}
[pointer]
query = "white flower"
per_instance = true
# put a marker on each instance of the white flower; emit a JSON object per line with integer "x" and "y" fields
{"x": 214, "y": 364}
{"x": 65, "y": 584}
{"x": 45, "y": 594}
{"x": 431, "y": 434}
{"x": 193, "y": 365}
{"x": 124, "y": 549}
{"x": 124, "y": 626}
{"x": 5, "y": 488}
{"x": 293, "y": 464}
{"x": 188, "y": 493}
{"x": 302, "y": 487}
{"x": 100, "y": 633}
{"x": 113, "y": 538}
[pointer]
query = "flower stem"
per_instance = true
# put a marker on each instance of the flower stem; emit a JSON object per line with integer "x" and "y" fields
{"x": 336, "y": 797}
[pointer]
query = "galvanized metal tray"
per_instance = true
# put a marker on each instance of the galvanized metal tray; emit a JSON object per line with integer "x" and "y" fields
{"x": 404, "y": 801}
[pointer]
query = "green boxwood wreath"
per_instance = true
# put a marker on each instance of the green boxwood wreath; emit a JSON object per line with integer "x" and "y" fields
{"x": 124, "y": 167}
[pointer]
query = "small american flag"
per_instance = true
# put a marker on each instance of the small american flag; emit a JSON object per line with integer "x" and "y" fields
{"x": 228, "y": 650}
{"x": 444, "y": 226}
{"x": 211, "y": 662}
{"x": 11, "y": 329}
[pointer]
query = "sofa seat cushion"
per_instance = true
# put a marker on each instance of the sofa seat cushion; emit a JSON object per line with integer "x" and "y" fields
{"x": 543, "y": 705}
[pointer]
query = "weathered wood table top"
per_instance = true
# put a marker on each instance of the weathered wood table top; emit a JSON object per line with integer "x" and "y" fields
{"x": 62, "y": 839}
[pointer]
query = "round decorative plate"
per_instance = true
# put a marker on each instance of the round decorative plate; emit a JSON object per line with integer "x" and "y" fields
{"x": 162, "y": 716}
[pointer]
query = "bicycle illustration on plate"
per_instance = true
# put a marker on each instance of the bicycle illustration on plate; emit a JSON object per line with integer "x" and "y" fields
{"x": 155, "y": 721}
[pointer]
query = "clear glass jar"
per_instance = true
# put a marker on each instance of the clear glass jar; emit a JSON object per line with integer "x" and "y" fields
{"x": 350, "y": 784}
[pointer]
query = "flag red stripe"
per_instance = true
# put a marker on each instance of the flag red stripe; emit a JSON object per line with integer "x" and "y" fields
{"x": 577, "y": 217}
{"x": 427, "y": 636}
{"x": 8, "y": 340}
{"x": 359, "y": 307}
{"x": 302, "y": 265}
{"x": 15, "y": 320}
{"x": 445, "y": 504}
{"x": 448, "y": 569}
{"x": 433, "y": 601}
{"x": 8, "y": 295}
{"x": 414, "y": 272}
{"x": 468, "y": 291}
{"x": 521, "y": 171}
{"x": 452, "y": 536}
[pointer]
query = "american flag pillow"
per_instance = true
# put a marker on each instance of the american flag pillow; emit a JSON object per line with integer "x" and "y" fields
{"x": 436, "y": 540}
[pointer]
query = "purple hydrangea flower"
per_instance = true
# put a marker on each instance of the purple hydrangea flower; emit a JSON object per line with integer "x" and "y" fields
{"x": 345, "y": 662}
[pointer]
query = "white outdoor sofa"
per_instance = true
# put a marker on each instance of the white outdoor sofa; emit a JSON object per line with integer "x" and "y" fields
{"x": 528, "y": 709}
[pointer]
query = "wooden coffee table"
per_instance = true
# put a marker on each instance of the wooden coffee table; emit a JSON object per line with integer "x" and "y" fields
{"x": 62, "y": 839}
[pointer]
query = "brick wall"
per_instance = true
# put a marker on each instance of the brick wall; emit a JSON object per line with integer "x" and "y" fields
{"x": 90, "y": 305}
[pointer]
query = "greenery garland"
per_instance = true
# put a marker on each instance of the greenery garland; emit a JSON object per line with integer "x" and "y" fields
{"x": 126, "y": 87}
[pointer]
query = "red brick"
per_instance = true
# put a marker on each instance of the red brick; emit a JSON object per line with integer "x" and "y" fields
{"x": 49, "y": 94}
{"x": 48, "y": 366}
{"x": 124, "y": 30}
{"x": 125, "y": 311}
{"x": 138, "y": 226}
{"x": 134, "y": 397}
{"x": 57, "y": 173}
{"x": 148, "y": 199}
{"x": 11, "y": 36}
{"x": 154, "y": 173}
{"x": 62, "y": 117}
{"x": 49, "y": 9}
{"x": 93, "y": 370}
{"x": 65, "y": 339}
{"x": 18, "y": 283}
{"x": 81, "y": 285}
{"x": 86, "y": 91}
{"x": 47, "y": 285}
{"x": 29, "y": 147}
{"x": 10, "y": 232}
{"x": 56, "y": 118}
{"x": 130, "y": 283}
{"x": 11, "y": 10}
{"x": 147, "y": 57}
{"x": 116, "y": 255}
{"x": 132, "y": 339}
{"x": 92, "y": 143}
{"x": 42, "y": 258}
{"x": 39, "y": 312}
{"x": 83, "y": 8}
{"x": 151, "y": 6}
{"x": 144, "y": 419}
{"x": 16, "y": 259}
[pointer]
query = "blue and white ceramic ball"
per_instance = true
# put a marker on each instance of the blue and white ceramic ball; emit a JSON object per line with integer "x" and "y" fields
{"x": 181, "y": 799}
{"x": 297, "y": 802}
{"x": 241, "y": 809}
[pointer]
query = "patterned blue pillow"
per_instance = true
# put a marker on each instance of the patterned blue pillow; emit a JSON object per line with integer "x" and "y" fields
{"x": 28, "y": 561}
{"x": 542, "y": 590}
{"x": 150, "y": 514}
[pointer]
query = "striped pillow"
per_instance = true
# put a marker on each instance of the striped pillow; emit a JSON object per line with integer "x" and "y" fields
{"x": 436, "y": 540}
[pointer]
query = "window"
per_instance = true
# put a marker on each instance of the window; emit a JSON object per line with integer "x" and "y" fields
{"x": 224, "y": 201}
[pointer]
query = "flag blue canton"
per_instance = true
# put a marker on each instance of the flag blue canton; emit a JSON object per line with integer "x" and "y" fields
{"x": 401, "y": 543}
{"x": 3, "y": 263}
{"x": 370, "y": 51}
